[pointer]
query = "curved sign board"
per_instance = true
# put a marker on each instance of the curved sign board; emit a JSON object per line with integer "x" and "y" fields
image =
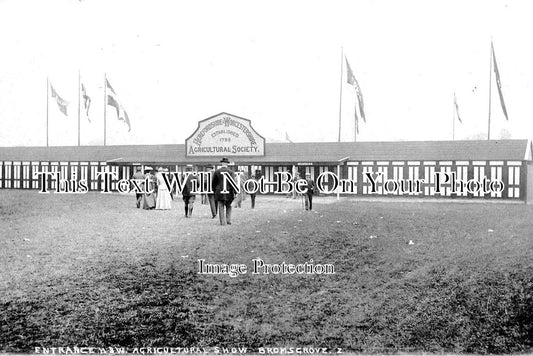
{"x": 225, "y": 135}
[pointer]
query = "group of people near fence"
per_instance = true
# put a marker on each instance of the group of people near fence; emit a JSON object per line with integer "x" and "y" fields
{"x": 157, "y": 195}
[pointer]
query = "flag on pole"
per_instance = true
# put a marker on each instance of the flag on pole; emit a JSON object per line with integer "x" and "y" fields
{"x": 113, "y": 101}
{"x": 287, "y": 137}
{"x": 352, "y": 81}
{"x": 456, "y": 108}
{"x": 498, "y": 82}
{"x": 61, "y": 103}
{"x": 86, "y": 101}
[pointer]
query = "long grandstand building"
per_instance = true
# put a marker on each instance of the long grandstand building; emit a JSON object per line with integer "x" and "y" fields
{"x": 226, "y": 135}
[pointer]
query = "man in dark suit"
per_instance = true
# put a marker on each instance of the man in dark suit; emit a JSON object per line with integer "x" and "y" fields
{"x": 211, "y": 197}
{"x": 310, "y": 191}
{"x": 252, "y": 195}
{"x": 189, "y": 192}
{"x": 223, "y": 200}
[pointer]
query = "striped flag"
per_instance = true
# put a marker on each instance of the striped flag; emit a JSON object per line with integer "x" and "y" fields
{"x": 113, "y": 101}
{"x": 61, "y": 103}
{"x": 498, "y": 82}
{"x": 456, "y": 108}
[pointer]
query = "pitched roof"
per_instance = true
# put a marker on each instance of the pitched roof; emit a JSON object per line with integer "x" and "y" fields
{"x": 319, "y": 152}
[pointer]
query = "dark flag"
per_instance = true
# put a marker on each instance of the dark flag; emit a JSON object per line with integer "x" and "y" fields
{"x": 86, "y": 101}
{"x": 456, "y": 108}
{"x": 498, "y": 82}
{"x": 113, "y": 101}
{"x": 61, "y": 103}
{"x": 351, "y": 80}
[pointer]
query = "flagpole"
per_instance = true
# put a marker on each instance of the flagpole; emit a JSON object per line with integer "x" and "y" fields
{"x": 105, "y": 106}
{"x": 355, "y": 123}
{"x": 47, "y": 95}
{"x": 490, "y": 85}
{"x": 453, "y": 118}
{"x": 79, "y": 84}
{"x": 340, "y": 95}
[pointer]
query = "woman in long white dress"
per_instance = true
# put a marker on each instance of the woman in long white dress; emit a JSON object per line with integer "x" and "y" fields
{"x": 163, "y": 194}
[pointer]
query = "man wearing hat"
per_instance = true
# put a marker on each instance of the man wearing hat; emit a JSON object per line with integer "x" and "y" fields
{"x": 211, "y": 196}
{"x": 189, "y": 192}
{"x": 310, "y": 191}
{"x": 223, "y": 200}
{"x": 252, "y": 195}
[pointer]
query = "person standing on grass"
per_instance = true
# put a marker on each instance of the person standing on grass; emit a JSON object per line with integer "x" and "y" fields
{"x": 203, "y": 196}
{"x": 149, "y": 188}
{"x": 163, "y": 194}
{"x": 310, "y": 184}
{"x": 295, "y": 178}
{"x": 239, "y": 197}
{"x": 252, "y": 195}
{"x": 211, "y": 196}
{"x": 171, "y": 191}
{"x": 139, "y": 177}
{"x": 223, "y": 199}
{"x": 189, "y": 189}
{"x": 285, "y": 176}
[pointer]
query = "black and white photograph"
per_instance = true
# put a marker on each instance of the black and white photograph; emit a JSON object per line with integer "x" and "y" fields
{"x": 251, "y": 177}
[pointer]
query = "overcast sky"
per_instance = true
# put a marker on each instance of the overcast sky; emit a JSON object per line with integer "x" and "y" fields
{"x": 277, "y": 63}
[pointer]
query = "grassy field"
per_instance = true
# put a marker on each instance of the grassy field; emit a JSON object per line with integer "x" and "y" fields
{"x": 92, "y": 270}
